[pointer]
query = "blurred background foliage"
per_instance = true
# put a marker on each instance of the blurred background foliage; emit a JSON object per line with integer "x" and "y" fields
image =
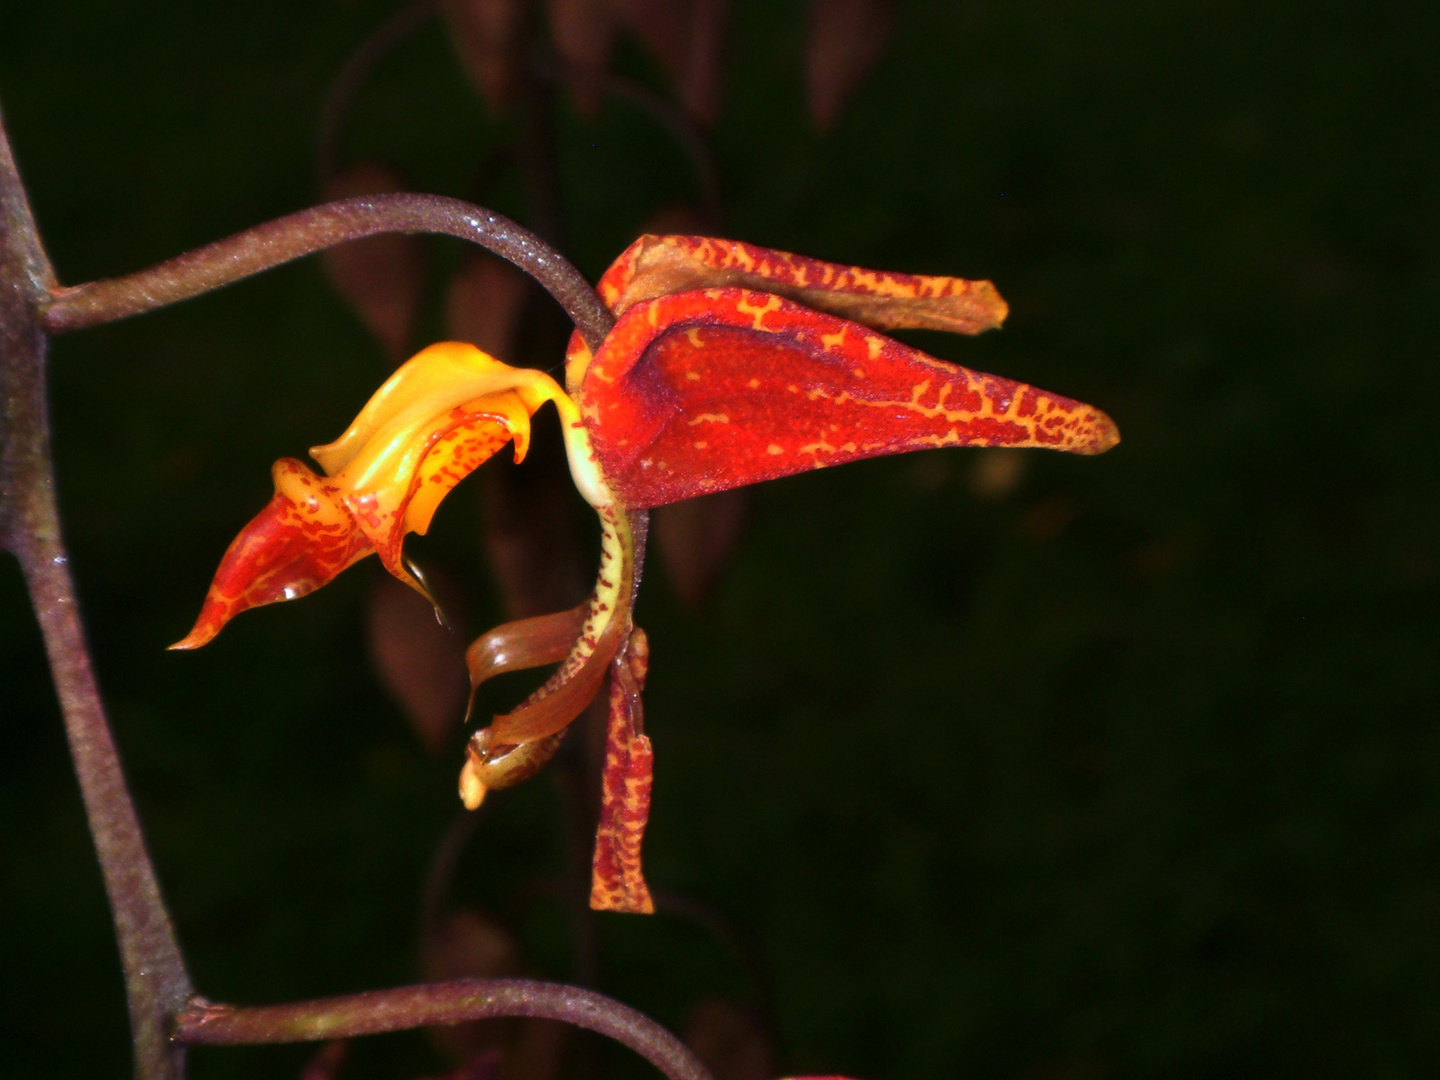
{"x": 1040, "y": 768}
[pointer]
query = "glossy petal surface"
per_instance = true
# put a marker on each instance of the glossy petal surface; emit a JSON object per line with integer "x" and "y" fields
{"x": 712, "y": 389}
{"x": 302, "y": 539}
{"x": 441, "y": 415}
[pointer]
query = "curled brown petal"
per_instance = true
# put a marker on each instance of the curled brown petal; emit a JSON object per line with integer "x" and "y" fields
{"x": 525, "y": 643}
{"x": 607, "y": 625}
{"x": 488, "y": 766}
{"x": 552, "y": 707}
{"x": 655, "y": 266}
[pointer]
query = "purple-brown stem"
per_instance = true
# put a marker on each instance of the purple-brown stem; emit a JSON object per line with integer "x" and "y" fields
{"x": 156, "y": 981}
{"x": 406, "y": 1007}
{"x": 288, "y": 238}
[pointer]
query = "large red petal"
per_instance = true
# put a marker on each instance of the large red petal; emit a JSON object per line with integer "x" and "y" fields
{"x": 717, "y": 388}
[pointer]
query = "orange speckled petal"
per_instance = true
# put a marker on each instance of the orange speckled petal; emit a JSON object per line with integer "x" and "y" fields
{"x": 302, "y": 539}
{"x": 717, "y": 388}
{"x": 471, "y": 435}
{"x": 617, "y": 881}
{"x": 427, "y": 462}
{"x": 656, "y": 266}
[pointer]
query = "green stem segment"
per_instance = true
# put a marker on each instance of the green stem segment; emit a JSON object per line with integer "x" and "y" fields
{"x": 156, "y": 982}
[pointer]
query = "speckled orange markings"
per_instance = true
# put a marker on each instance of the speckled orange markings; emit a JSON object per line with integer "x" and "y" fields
{"x": 729, "y": 364}
{"x": 711, "y": 389}
{"x": 617, "y": 881}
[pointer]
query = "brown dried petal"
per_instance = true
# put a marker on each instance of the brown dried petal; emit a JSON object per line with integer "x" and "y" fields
{"x": 524, "y": 643}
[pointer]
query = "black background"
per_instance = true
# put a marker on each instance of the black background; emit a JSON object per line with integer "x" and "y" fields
{"x": 1133, "y": 771}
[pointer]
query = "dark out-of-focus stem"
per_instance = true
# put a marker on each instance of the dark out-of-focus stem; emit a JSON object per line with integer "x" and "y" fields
{"x": 688, "y": 137}
{"x": 156, "y": 981}
{"x": 454, "y": 1002}
{"x": 381, "y": 42}
{"x": 320, "y": 227}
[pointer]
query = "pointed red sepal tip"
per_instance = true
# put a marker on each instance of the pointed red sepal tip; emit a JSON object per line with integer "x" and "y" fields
{"x": 711, "y": 389}
{"x": 300, "y": 541}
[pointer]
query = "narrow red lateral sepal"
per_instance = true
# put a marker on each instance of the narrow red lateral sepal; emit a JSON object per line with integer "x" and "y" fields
{"x": 617, "y": 878}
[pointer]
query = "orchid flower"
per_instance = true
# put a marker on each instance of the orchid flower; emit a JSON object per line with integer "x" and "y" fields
{"x": 728, "y": 364}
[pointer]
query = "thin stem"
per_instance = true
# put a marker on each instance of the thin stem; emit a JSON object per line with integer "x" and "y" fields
{"x": 683, "y": 130}
{"x": 320, "y": 227}
{"x": 407, "y": 1007}
{"x": 669, "y": 116}
{"x": 156, "y": 981}
{"x": 435, "y": 893}
{"x": 378, "y": 45}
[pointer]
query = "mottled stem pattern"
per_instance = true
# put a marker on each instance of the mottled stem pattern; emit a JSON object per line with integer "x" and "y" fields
{"x": 288, "y": 238}
{"x": 455, "y": 1002}
{"x": 156, "y": 981}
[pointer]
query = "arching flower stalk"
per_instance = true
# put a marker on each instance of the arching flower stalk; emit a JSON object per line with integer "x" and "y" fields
{"x": 728, "y": 364}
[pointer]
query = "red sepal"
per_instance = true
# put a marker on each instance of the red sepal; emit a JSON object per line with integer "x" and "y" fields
{"x": 710, "y": 389}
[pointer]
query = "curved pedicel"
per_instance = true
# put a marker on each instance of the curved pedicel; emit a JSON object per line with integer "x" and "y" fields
{"x": 551, "y": 708}
{"x": 320, "y": 227}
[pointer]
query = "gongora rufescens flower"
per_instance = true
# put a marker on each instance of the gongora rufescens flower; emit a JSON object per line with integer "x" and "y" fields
{"x": 728, "y": 364}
